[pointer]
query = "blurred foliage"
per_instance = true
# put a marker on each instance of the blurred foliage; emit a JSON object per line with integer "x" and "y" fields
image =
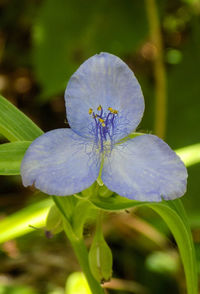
{"x": 5, "y": 289}
{"x": 76, "y": 283}
{"x": 162, "y": 262}
{"x": 72, "y": 31}
{"x": 42, "y": 42}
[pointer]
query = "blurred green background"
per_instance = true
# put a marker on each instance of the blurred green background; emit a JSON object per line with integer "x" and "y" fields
{"x": 42, "y": 42}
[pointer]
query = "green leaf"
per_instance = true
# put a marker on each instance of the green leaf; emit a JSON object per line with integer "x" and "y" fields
{"x": 77, "y": 283}
{"x": 190, "y": 154}
{"x": 6, "y": 288}
{"x": 114, "y": 202}
{"x": 67, "y": 33}
{"x": 56, "y": 35}
{"x": 175, "y": 217}
{"x": 191, "y": 157}
{"x": 105, "y": 20}
{"x": 15, "y": 125}
{"x": 11, "y": 155}
{"x": 20, "y": 223}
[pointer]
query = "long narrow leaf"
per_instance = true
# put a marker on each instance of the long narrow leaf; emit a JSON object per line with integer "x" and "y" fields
{"x": 15, "y": 125}
{"x": 20, "y": 223}
{"x": 190, "y": 154}
{"x": 11, "y": 155}
{"x": 174, "y": 215}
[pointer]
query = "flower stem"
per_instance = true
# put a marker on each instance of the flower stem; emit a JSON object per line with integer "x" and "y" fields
{"x": 159, "y": 69}
{"x": 82, "y": 256}
{"x": 79, "y": 248}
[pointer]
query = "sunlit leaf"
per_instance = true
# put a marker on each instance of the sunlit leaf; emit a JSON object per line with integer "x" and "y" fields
{"x": 11, "y": 155}
{"x": 190, "y": 154}
{"x": 15, "y": 125}
{"x": 20, "y": 223}
{"x": 77, "y": 283}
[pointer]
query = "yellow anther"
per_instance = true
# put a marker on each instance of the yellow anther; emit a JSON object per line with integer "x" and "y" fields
{"x": 99, "y": 108}
{"x": 102, "y": 121}
{"x": 90, "y": 111}
{"x": 113, "y": 110}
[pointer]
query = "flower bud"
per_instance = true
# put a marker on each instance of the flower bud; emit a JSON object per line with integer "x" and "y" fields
{"x": 100, "y": 259}
{"x": 54, "y": 223}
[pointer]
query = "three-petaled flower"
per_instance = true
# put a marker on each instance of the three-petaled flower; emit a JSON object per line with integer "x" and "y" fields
{"x": 104, "y": 104}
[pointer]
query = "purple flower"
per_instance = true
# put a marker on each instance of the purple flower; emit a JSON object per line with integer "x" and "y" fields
{"x": 104, "y": 104}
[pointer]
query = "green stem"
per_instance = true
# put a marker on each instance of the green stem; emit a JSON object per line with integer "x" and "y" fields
{"x": 159, "y": 69}
{"x": 99, "y": 232}
{"x": 80, "y": 250}
{"x": 82, "y": 256}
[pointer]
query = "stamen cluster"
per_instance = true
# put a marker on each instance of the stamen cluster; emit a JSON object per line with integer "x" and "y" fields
{"x": 104, "y": 125}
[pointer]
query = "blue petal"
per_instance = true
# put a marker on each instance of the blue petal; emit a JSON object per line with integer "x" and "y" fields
{"x": 60, "y": 163}
{"x": 146, "y": 169}
{"x": 105, "y": 80}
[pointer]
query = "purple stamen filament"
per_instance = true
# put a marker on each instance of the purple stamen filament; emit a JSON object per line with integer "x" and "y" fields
{"x": 104, "y": 125}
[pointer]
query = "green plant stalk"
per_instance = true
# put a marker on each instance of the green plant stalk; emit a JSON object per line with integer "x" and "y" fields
{"x": 80, "y": 250}
{"x": 82, "y": 256}
{"x": 159, "y": 69}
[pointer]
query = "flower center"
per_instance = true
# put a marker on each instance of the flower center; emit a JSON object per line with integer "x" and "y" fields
{"x": 104, "y": 127}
